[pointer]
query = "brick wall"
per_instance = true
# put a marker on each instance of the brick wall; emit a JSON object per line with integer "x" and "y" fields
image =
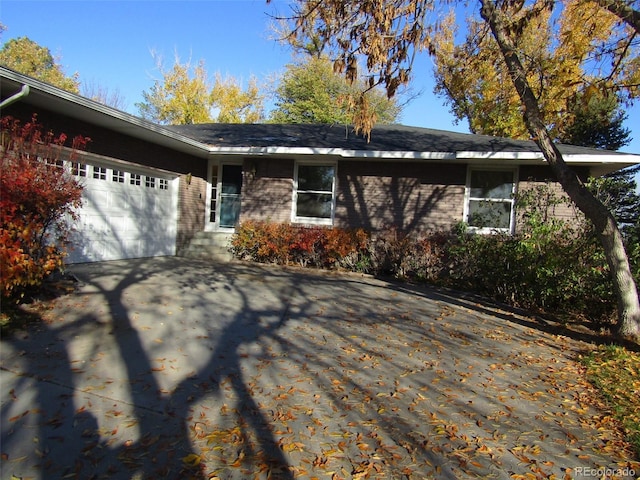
{"x": 191, "y": 209}
{"x": 533, "y": 177}
{"x": 410, "y": 196}
{"x": 267, "y": 194}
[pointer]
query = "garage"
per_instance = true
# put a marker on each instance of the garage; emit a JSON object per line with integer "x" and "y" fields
{"x": 127, "y": 212}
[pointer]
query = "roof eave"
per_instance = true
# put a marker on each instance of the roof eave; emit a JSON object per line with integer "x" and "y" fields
{"x": 521, "y": 158}
{"x": 53, "y": 98}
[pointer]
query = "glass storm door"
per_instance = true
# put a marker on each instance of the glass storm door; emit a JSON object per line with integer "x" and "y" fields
{"x": 230, "y": 188}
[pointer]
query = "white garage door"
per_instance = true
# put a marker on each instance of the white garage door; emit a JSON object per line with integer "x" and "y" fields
{"x": 125, "y": 213}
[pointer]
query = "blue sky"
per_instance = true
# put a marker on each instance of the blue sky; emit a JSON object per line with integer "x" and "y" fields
{"x": 109, "y": 43}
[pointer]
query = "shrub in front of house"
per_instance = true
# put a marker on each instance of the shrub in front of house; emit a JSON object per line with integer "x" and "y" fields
{"x": 307, "y": 246}
{"x": 39, "y": 195}
{"x": 551, "y": 265}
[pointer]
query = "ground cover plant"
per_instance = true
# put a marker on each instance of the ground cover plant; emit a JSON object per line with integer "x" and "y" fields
{"x": 615, "y": 371}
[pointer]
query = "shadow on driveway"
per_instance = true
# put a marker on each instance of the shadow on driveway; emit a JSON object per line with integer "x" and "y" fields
{"x": 176, "y": 368}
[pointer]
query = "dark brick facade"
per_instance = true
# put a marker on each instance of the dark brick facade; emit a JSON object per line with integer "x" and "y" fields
{"x": 409, "y": 196}
{"x": 267, "y": 192}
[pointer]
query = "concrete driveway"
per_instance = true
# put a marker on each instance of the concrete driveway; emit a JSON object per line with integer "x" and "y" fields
{"x": 175, "y": 368}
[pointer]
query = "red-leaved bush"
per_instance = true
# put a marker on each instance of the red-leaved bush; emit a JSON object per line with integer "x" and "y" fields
{"x": 38, "y": 195}
{"x": 285, "y": 244}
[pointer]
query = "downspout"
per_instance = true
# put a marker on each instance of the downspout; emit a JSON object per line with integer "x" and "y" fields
{"x": 24, "y": 91}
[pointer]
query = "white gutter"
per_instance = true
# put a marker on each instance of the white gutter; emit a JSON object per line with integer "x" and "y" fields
{"x": 24, "y": 91}
{"x": 458, "y": 157}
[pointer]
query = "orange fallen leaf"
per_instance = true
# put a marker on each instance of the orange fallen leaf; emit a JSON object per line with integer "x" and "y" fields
{"x": 17, "y": 417}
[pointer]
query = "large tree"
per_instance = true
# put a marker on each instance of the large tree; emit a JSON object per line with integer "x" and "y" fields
{"x": 235, "y": 104}
{"x": 597, "y": 122}
{"x": 182, "y": 96}
{"x": 387, "y": 36}
{"x": 558, "y": 56}
{"x": 310, "y": 91}
{"x": 185, "y": 95}
{"x": 103, "y": 95}
{"x": 26, "y": 56}
{"x": 619, "y": 192}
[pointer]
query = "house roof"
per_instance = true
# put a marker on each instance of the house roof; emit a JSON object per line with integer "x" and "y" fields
{"x": 386, "y": 141}
{"x": 384, "y": 138}
{"x": 391, "y": 142}
{"x": 48, "y": 97}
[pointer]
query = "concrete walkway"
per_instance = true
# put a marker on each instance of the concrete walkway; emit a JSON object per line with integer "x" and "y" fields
{"x": 175, "y": 368}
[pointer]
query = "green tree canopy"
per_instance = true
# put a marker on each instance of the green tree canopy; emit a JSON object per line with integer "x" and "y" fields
{"x": 311, "y": 92}
{"x": 597, "y": 122}
{"x": 27, "y": 57}
{"x": 618, "y": 191}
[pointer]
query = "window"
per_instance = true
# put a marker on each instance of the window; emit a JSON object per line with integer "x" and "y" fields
{"x": 150, "y": 182}
{"x": 135, "y": 179}
{"x": 314, "y": 193}
{"x": 163, "y": 184}
{"x": 100, "y": 173}
{"x": 54, "y": 162}
{"x": 78, "y": 169}
{"x": 214, "y": 193}
{"x": 490, "y": 202}
{"x": 118, "y": 176}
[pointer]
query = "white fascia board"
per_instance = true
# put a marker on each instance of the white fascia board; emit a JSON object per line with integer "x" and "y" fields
{"x": 520, "y": 158}
{"x": 499, "y": 156}
{"x": 620, "y": 158}
{"x": 336, "y": 152}
{"x": 596, "y": 158}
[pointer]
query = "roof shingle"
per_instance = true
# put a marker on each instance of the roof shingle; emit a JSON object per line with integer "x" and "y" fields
{"x": 384, "y": 138}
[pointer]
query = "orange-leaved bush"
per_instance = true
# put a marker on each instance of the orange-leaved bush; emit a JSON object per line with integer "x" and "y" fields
{"x": 38, "y": 196}
{"x": 285, "y": 244}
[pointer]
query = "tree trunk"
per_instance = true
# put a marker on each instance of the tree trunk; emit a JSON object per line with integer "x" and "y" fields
{"x": 604, "y": 222}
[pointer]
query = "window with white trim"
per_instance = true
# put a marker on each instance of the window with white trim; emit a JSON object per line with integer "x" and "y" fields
{"x": 135, "y": 179}
{"x": 490, "y": 199}
{"x": 314, "y": 193}
{"x": 99, "y": 173}
{"x": 150, "y": 182}
{"x": 55, "y": 162}
{"x": 78, "y": 169}
{"x": 163, "y": 184}
{"x": 118, "y": 176}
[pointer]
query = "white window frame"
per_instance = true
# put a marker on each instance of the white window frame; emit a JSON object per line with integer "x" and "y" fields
{"x": 314, "y": 220}
{"x": 511, "y": 200}
{"x": 99, "y": 172}
{"x": 117, "y": 176}
{"x": 135, "y": 179}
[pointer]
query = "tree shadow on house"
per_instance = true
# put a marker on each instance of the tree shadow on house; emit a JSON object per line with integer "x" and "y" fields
{"x": 412, "y": 197}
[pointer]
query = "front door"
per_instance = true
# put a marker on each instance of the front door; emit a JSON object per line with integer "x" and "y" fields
{"x": 226, "y": 188}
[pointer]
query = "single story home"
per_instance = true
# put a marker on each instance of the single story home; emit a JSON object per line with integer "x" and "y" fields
{"x": 154, "y": 190}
